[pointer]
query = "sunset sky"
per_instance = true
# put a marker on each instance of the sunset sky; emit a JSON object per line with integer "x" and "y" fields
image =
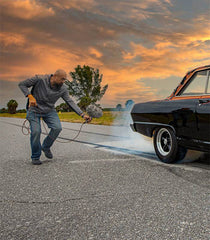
{"x": 142, "y": 47}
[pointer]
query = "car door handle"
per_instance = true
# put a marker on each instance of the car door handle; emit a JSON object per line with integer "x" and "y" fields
{"x": 202, "y": 101}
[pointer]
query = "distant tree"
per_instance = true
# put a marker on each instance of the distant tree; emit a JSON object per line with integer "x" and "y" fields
{"x": 12, "y": 105}
{"x": 129, "y": 103}
{"x": 3, "y": 110}
{"x": 119, "y": 107}
{"x": 86, "y": 86}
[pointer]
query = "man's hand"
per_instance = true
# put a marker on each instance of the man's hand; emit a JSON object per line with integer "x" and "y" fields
{"x": 86, "y": 117}
{"x": 32, "y": 101}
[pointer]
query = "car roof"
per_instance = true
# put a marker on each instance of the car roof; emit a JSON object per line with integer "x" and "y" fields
{"x": 186, "y": 78}
{"x": 199, "y": 68}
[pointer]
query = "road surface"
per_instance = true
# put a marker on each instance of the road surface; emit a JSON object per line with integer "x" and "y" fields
{"x": 106, "y": 185}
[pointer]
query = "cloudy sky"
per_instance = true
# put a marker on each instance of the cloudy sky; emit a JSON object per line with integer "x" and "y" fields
{"x": 142, "y": 47}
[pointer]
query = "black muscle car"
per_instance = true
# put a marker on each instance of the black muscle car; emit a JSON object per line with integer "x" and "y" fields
{"x": 179, "y": 122}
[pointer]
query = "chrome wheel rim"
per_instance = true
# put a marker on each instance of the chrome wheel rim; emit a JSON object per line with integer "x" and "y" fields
{"x": 164, "y": 141}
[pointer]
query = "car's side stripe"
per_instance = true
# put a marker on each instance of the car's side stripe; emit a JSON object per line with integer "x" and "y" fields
{"x": 158, "y": 124}
{"x": 189, "y": 97}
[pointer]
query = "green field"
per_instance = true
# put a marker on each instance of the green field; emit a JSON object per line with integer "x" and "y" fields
{"x": 108, "y": 118}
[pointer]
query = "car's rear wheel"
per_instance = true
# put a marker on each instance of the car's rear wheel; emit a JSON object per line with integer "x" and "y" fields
{"x": 166, "y": 146}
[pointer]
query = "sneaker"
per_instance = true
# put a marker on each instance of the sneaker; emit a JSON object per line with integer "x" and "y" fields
{"x": 47, "y": 153}
{"x": 36, "y": 162}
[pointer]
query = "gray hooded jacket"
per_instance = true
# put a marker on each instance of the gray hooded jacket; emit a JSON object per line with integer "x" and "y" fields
{"x": 46, "y": 95}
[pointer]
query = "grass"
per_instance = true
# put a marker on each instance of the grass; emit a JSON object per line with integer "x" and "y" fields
{"x": 108, "y": 118}
{"x": 16, "y": 115}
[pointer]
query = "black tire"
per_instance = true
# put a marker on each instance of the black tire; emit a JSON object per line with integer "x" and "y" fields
{"x": 166, "y": 146}
{"x": 181, "y": 153}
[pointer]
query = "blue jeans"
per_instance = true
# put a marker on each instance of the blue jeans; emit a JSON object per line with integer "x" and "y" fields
{"x": 53, "y": 122}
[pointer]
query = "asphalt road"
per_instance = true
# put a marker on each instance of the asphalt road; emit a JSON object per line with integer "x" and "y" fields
{"x": 106, "y": 185}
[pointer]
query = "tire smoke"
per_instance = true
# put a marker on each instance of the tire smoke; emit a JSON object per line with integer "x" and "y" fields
{"x": 133, "y": 141}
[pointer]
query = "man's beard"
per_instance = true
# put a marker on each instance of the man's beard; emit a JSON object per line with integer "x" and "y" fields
{"x": 58, "y": 85}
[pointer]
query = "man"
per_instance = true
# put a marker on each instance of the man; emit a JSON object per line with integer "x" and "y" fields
{"x": 46, "y": 90}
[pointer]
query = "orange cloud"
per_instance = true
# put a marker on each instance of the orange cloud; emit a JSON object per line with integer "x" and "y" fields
{"x": 167, "y": 58}
{"x": 77, "y": 4}
{"x": 7, "y": 39}
{"x": 95, "y": 52}
{"x": 123, "y": 86}
{"x": 44, "y": 59}
{"x": 25, "y": 9}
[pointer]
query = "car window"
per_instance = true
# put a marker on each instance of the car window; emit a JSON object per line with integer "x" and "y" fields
{"x": 208, "y": 84}
{"x": 197, "y": 84}
{"x": 208, "y": 89}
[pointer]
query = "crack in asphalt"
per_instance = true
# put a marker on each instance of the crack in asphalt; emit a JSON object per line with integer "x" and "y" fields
{"x": 90, "y": 196}
{"x": 168, "y": 168}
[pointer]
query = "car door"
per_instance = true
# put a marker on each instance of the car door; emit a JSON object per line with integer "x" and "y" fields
{"x": 203, "y": 113}
{"x": 183, "y": 117}
{"x": 190, "y": 112}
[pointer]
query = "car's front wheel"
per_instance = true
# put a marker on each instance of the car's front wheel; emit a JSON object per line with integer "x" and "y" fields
{"x": 166, "y": 146}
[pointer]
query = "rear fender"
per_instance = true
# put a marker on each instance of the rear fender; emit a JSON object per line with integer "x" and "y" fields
{"x": 148, "y": 128}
